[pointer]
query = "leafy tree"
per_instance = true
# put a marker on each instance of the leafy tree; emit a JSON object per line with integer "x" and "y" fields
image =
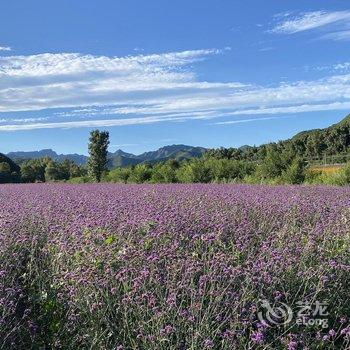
{"x": 346, "y": 172}
{"x": 53, "y": 172}
{"x": 295, "y": 173}
{"x": 272, "y": 165}
{"x": 98, "y": 150}
{"x": 195, "y": 170}
{"x": 163, "y": 173}
{"x": 141, "y": 173}
{"x": 5, "y": 172}
{"x": 315, "y": 145}
{"x": 33, "y": 170}
{"x": 45, "y": 169}
{"x": 72, "y": 169}
{"x": 9, "y": 171}
{"x": 119, "y": 175}
{"x": 68, "y": 169}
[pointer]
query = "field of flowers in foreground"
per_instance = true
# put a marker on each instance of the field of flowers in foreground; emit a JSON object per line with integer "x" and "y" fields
{"x": 174, "y": 267}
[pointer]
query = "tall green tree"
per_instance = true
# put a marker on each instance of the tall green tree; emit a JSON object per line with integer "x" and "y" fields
{"x": 98, "y": 150}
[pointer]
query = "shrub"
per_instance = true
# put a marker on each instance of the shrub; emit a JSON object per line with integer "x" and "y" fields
{"x": 295, "y": 173}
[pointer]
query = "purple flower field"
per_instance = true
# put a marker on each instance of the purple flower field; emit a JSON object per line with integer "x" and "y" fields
{"x": 174, "y": 267}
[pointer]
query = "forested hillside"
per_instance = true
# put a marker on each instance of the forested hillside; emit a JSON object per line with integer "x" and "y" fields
{"x": 281, "y": 162}
{"x": 334, "y": 140}
{"x": 9, "y": 171}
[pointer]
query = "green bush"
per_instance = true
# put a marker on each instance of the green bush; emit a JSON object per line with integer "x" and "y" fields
{"x": 194, "y": 171}
{"x": 79, "y": 180}
{"x": 346, "y": 172}
{"x": 119, "y": 175}
{"x": 339, "y": 178}
{"x": 140, "y": 173}
{"x": 295, "y": 173}
{"x": 163, "y": 173}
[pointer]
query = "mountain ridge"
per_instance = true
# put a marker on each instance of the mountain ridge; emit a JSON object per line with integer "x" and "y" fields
{"x": 312, "y": 143}
{"x": 117, "y": 158}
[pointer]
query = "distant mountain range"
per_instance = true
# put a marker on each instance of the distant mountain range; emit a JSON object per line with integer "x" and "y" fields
{"x": 23, "y": 155}
{"x": 118, "y": 158}
{"x": 333, "y": 140}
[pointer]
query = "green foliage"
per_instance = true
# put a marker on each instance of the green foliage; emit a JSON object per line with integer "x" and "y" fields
{"x": 295, "y": 173}
{"x": 45, "y": 169}
{"x": 141, "y": 173}
{"x": 164, "y": 172}
{"x": 194, "y": 171}
{"x": 33, "y": 170}
{"x": 320, "y": 178}
{"x": 64, "y": 171}
{"x": 119, "y": 175}
{"x": 339, "y": 178}
{"x": 9, "y": 171}
{"x": 197, "y": 170}
{"x": 308, "y": 144}
{"x": 52, "y": 172}
{"x": 273, "y": 164}
{"x": 346, "y": 174}
{"x": 98, "y": 150}
{"x": 5, "y": 172}
{"x": 79, "y": 180}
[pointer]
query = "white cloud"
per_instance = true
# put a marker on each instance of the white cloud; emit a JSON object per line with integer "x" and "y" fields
{"x": 88, "y": 123}
{"x": 102, "y": 91}
{"x": 342, "y": 66}
{"x": 178, "y": 117}
{"x": 23, "y": 120}
{"x": 5, "y": 48}
{"x": 342, "y": 35}
{"x": 69, "y": 80}
{"x": 246, "y": 120}
{"x": 153, "y": 142}
{"x": 293, "y": 109}
{"x": 310, "y": 20}
{"x": 46, "y": 65}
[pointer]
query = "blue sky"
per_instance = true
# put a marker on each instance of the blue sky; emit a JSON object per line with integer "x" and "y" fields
{"x": 207, "y": 73}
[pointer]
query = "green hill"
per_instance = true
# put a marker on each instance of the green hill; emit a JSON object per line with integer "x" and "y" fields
{"x": 9, "y": 171}
{"x": 309, "y": 145}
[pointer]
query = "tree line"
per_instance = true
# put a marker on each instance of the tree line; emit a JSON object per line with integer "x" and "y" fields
{"x": 308, "y": 145}
{"x": 275, "y": 163}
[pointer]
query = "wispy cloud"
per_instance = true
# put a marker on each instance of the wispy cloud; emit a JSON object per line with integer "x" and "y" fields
{"x": 22, "y": 120}
{"x": 68, "y": 80}
{"x": 342, "y": 35}
{"x": 328, "y": 25}
{"x": 101, "y": 91}
{"x": 122, "y": 145}
{"x": 153, "y": 142}
{"x": 88, "y": 123}
{"x": 241, "y": 121}
{"x": 5, "y": 48}
{"x": 310, "y": 20}
{"x": 342, "y": 67}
